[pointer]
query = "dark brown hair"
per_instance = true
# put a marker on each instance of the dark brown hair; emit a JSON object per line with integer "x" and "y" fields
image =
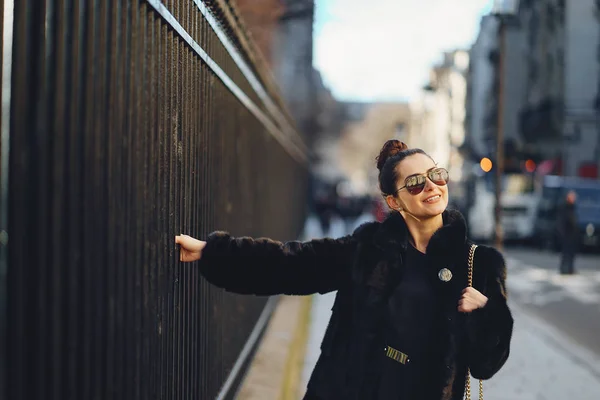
{"x": 392, "y": 152}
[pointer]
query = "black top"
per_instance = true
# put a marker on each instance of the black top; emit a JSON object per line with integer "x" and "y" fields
{"x": 408, "y": 328}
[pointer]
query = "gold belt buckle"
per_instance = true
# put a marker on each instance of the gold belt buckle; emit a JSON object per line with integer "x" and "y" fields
{"x": 396, "y": 355}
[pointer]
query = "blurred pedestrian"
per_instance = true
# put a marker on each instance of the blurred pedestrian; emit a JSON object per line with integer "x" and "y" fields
{"x": 406, "y": 322}
{"x": 569, "y": 229}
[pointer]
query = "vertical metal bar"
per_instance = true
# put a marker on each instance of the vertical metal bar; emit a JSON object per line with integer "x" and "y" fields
{"x": 122, "y": 367}
{"x": 24, "y": 292}
{"x": 58, "y": 130}
{"x": 187, "y": 141}
{"x": 74, "y": 205}
{"x": 144, "y": 225}
{"x": 114, "y": 110}
{"x": 152, "y": 294}
{"x": 89, "y": 133}
{"x": 193, "y": 208}
{"x": 101, "y": 180}
{"x": 171, "y": 177}
{"x": 7, "y": 7}
{"x": 163, "y": 225}
{"x": 43, "y": 164}
{"x": 139, "y": 136}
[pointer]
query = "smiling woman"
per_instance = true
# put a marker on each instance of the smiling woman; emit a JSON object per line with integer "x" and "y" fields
{"x": 410, "y": 317}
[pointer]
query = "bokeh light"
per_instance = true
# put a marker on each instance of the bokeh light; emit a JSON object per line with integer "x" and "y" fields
{"x": 530, "y": 166}
{"x": 486, "y": 164}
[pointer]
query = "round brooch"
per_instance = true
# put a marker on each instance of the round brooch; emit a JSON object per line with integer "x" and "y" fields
{"x": 445, "y": 275}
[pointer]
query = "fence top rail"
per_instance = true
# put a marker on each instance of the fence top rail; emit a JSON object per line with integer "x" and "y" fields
{"x": 233, "y": 17}
{"x": 264, "y": 84}
{"x": 297, "y": 151}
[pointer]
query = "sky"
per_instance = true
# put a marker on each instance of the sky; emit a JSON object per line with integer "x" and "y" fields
{"x": 382, "y": 50}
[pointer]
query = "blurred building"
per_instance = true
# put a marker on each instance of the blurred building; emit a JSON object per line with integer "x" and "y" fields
{"x": 366, "y": 126}
{"x": 539, "y": 41}
{"x": 283, "y": 30}
{"x": 581, "y": 134}
{"x": 480, "y": 118}
{"x": 550, "y": 82}
{"x": 262, "y": 18}
{"x": 438, "y": 116}
{"x": 483, "y": 85}
{"x": 330, "y": 120}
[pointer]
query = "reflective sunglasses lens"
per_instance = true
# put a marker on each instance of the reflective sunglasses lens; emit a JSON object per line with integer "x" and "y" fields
{"x": 415, "y": 189}
{"x": 439, "y": 176}
{"x": 415, "y": 184}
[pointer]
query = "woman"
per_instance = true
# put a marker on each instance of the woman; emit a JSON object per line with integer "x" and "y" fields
{"x": 405, "y": 324}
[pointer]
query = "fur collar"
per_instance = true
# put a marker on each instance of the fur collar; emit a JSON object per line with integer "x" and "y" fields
{"x": 449, "y": 239}
{"x": 446, "y": 248}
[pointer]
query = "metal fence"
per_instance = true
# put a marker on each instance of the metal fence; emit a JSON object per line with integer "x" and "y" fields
{"x": 124, "y": 123}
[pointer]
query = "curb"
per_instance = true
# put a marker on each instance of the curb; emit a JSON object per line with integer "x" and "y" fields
{"x": 292, "y": 375}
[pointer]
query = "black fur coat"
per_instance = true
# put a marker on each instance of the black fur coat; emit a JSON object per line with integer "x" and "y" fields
{"x": 364, "y": 267}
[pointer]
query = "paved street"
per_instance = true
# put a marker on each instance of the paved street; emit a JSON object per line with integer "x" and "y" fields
{"x": 569, "y": 303}
{"x": 555, "y": 350}
{"x": 556, "y": 343}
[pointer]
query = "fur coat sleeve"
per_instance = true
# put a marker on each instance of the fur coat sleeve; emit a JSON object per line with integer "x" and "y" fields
{"x": 267, "y": 267}
{"x": 489, "y": 329}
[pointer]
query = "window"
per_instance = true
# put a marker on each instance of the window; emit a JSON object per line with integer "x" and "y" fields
{"x": 550, "y": 17}
{"x": 561, "y": 11}
{"x": 534, "y": 25}
{"x": 560, "y": 57}
{"x": 550, "y": 67}
{"x": 533, "y": 71}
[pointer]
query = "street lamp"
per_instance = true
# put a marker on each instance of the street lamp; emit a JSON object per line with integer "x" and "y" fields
{"x": 503, "y": 10}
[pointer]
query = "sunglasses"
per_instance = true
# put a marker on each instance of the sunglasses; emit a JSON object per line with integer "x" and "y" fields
{"x": 415, "y": 184}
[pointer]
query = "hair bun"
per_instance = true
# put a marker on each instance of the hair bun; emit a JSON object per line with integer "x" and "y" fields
{"x": 389, "y": 149}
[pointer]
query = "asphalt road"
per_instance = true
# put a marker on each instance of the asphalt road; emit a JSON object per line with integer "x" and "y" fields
{"x": 571, "y": 304}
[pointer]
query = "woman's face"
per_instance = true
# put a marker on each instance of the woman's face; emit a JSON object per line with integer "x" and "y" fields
{"x": 433, "y": 200}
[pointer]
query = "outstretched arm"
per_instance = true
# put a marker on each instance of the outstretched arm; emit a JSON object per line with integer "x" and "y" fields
{"x": 268, "y": 267}
{"x": 489, "y": 329}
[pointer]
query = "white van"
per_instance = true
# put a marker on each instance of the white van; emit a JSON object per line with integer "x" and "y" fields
{"x": 519, "y": 203}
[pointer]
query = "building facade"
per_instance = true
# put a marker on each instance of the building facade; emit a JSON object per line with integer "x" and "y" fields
{"x": 479, "y": 122}
{"x": 550, "y": 79}
{"x": 581, "y": 135}
{"x": 543, "y": 46}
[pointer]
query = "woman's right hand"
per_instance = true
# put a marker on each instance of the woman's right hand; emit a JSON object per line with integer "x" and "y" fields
{"x": 190, "y": 249}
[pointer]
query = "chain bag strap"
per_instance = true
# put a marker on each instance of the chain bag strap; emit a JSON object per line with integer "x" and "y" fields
{"x": 470, "y": 282}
